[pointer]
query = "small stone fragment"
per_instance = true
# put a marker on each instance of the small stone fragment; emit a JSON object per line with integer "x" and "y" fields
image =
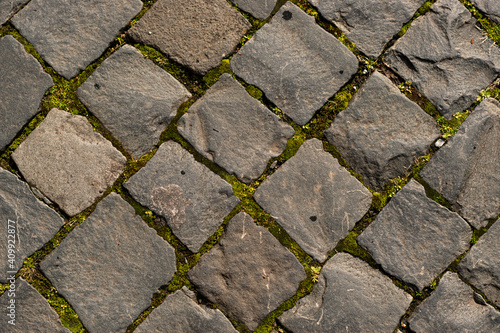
{"x": 179, "y": 313}
{"x": 296, "y": 63}
{"x": 70, "y": 35}
{"x": 7, "y": 8}
{"x": 133, "y": 98}
{"x": 22, "y": 87}
{"x": 69, "y": 162}
{"x": 109, "y": 266}
{"x": 350, "y": 296}
{"x": 234, "y": 130}
{"x": 452, "y": 307}
{"x": 490, "y": 7}
{"x": 414, "y": 238}
{"x": 382, "y": 132}
{"x": 260, "y": 9}
{"x": 195, "y": 33}
{"x": 249, "y": 273}
{"x": 314, "y": 199}
{"x": 465, "y": 170}
{"x": 446, "y": 57}
{"x": 192, "y": 199}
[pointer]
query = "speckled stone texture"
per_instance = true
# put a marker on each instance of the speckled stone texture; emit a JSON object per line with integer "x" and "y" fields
{"x": 234, "y": 130}
{"x": 296, "y": 63}
{"x": 9, "y": 7}
{"x": 490, "y": 7}
{"x": 133, "y": 98}
{"x": 260, "y": 9}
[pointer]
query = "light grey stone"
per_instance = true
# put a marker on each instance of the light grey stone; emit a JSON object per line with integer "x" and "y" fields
{"x": 260, "y": 9}
{"x": 70, "y": 35}
{"x": 133, "y": 98}
{"x": 192, "y": 199}
{"x": 9, "y": 7}
{"x": 490, "y": 7}
{"x": 249, "y": 273}
{"x": 69, "y": 162}
{"x": 382, "y": 133}
{"x": 109, "y": 266}
{"x": 414, "y": 238}
{"x": 296, "y": 63}
{"x": 234, "y": 130}
{"x": 350, "y": 296}
{"x": 314, "y": 199}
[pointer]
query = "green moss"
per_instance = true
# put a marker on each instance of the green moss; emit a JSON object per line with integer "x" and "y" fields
{"x": 421, "y": 11}
{"x": 492, "y": 29}
{"x": 213, "y": 75}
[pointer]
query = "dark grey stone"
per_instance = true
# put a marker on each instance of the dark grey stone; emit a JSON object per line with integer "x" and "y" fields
{"x": 454, "y": 307}
{"x": 197, "y": 33}
{"x": 9, "y": 7}
{"x": 68, "y": 161}
{"x": 34, "y": 223}
{"x": 446, "y": 57}
{"x": 133, "y": 98}
{"x": 249, "y": 273}
{"x": 414, "y": 238}
{"x": 350, "y": 296}
{"x": 180, "y": 313}
{"x": 490, "y": 7}
{"x": 234, "y": 130}
{"x": 465, "y": 170}
{"x": 109, "y": 266}
{"x": 368, "y": 24}
{"x": 296, "y": 63}
{"x": 32, "y": 312}
{"x": 22, "y": 87}
{"x": 260, "y": 9}
{"x": 314, "y": 199}
{"x": 382, "y": 132}
{"x": 481, "y": 265}
{"x": 192, "y": 199}
{"x": 70, "y": 35}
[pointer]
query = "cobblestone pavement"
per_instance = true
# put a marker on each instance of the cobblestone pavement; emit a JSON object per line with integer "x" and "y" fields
{"x": 250, "y": 165}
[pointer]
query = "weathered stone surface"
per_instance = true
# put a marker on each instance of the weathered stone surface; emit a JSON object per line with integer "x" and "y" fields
{"x": 368, "y": 24}
{"x": 481, "y": 265}
{"x": 465, "y": 170}
{"x": 414, "y": 238}
{"x": 296, "y": 63}
{"x": 314, "y": 199}
{"x": 382, "y": 132}
{"x": 490, "y": 7}
{"x": 108, "y": 267}
{"x": 350, "y": 296}
{"x": 180, "y": 313}
{"x": 22, "y": 87}
{"x": 260, "y": 9}
{"x": 443, "y": 54}
{"x": 69, "y": 162}
{"x": 234, "y": 130}
{"x": 32, "y": 312}
{"x": 34, "y": 223}
{"x": 70, "y": 35}
{"x": 192, "y": 199}
{"x": 249, "y": 273}
{"x": 9, "y": 7}
{"x": 133, "y": 98}
{"x": 454, "y": 307}
{"x": 197, "y": 34}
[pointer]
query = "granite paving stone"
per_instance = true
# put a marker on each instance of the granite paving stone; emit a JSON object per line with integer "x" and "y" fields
{"x": 9, "y": 7}
{"x": 481, "y": 265}
{"x": 22, "y": 87}
{"x": 260, "y": 9}
{"x": 109, "y": 266}
{"x": 197, "y": 34}
{"x": 192, "y": 199}
{"x": 33, "y": 222}
{"x": 133, "y": 98}
{"x": 181, "y": 313}
{"x": 296, "y": 63}
{"x": 249, "y": 273}
{"x": 70, "y": 35}
{"x": 382, "y": 133}
{"x": 371, "y": 24}
{"x": 465, "y": 170}
{"x": 350, "y": 296}
{"x": 69, "y": 162}
{"x": 414, "y": 238}
{"x": 314, "y": 199}
{"x": 490, "y": 7}
{"x": 454, "y": 307}
{"x": 32, "y": 312}
{"x": 234, "y": 130}
{"x": 446, "y": 57}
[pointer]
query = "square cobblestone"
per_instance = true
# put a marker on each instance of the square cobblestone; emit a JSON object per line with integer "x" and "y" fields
{"x": 490, "y": 7}
{"x": 260, "y": 9}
